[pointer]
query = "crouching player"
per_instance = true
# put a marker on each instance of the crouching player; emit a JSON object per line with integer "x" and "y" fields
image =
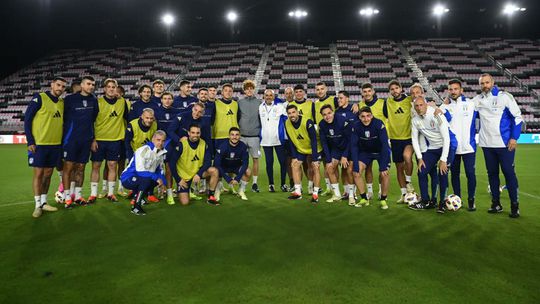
{"x": 190, "y": 162}
{"x": 145, "y": 170}
{"x": 232, "y": 161}
{"x": 369, "y": 142}
{"x": 441, "y": 150}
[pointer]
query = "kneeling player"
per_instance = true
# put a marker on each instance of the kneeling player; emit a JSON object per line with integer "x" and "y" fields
{"x": 191, "y": 162}
{"x": 232, "y": 158}
{"x": 303, "y": 142}
{"x": 145, "y": 170}
{"x": 334, "y": 134}
{"x": 369, "y": 142}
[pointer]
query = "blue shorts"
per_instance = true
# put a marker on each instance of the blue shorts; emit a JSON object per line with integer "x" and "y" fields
{"x": 107, "y": 150}
{"x": 398, "y": 146}
{"x": 123, "y": 151}
{"x": 368, "y": 158}
{"x": 304, "y": 157}
{"x": 337, "y": 154}
{"x": 45, "y": 156}
{"x": 77, "y": 152}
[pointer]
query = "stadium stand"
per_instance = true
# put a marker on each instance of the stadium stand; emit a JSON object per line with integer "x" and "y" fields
{"x": 514, "y": 64}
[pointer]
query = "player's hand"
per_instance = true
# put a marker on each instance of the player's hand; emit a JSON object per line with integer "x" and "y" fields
{"x": 512, "y": 144}
{"x": 94, "y": 146}
{"x": 183, "y": 184}
{"x": 32, "y": 148}
{"x": 196, "y": 179}
{"x": 421, "y": 164}
{"x": 233, "y": 183}
{"x": 184, "y": 138}
{"x": 295, "y": 162}
{"x": 384, "y": 173}
{"x": 316, "y": 165}
{"x": 437, "y": 111}
{"x": 159, "y": 182}
{"x": 432, "y": 104}
{"x": 344, "y": 162}
{"x": 355, "y": 108}
{"x": 443, "y": 167}
{"x": 446, "y": 101}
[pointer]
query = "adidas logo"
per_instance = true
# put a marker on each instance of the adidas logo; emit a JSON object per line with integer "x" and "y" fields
{"x": 300, "y": 137}
{"x": 113, "y": 114}
{"x": 146, "y": 140}
{"x": 57, "y": 115}
{"x": 230, "y": 112}
{"x": 301, "y": 113}
{"x": 399, "y": 111}
{"x": 196, "y": 158}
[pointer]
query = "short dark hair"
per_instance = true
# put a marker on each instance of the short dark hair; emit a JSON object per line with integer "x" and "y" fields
{"x": 326, "y": 106}
{"x": 212, "y": 86}
{"x": 365, "y": 109}
{"x": 394, "y": 82}
{"x": 291, "y": 106}
{"x": 158, "y": 81}
{"x": 367, "y": 85}
{"x": 202, "y": 89}
{"x": 345, "y": 93}
{"x": 87, "y": 77}
{"x": 321, "y": 83}
{"x": 227, "y": 84}
{"x": 144, "y": 86}
{"x": 121, "y": 88}
{"x": 184, "y": 82}
{"x": 167, "y": 93}
{"x": 455, "y": 81}
{"x": 299, "y": 87}
{"x": 194, "y": 125}
{"x": 234, "y": 129}
{"x": 59, "y": 78}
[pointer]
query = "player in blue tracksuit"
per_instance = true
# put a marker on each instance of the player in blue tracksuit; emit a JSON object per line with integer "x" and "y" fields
{"x": 334, "y": 132}
{"x": 185, "y": 98}
{"x": 80, "y": 112}
{"x": 232, "y": 158}
{"x": 500, "y": 128}
{"x": 179, "y": 128}
{"x": 166, "y": 113}
{"x": 369, "y": 142}
{"x": 145, "y": 101}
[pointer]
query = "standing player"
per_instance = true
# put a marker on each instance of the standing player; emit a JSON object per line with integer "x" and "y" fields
{"x": 397, "y": 109}
{"x": 145, "y": 170}
{"x": 289, "y": 96}
{"x": 144, "y": 102}
{"x": 43, "y": 127}
{"x": 109, "y": 130}
{"x": 158, "y": 87}
{"x": 369, "y": 142}
{"x": 250, "y": 126}
{"x": 212, "y": 93}
{"x": 440, "y": 151}
{"x": 500, "y": 128}
{"x": 272, "y": 116}
{"x": 304, "y": 147}
{"x": 190, "y": 162}
{"x": 185, "y": 98}
{"x": 462, "y": 114}
{"x": 345, "y": 109}
{"x": 232, "y": 162}
{"x": 226, "y": 115}
{"x": 80, "y": 112}
{"x": 334, "y": 131}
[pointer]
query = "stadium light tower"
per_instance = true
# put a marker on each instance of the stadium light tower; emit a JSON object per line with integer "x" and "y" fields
{"x": 168, "y": 20}
{"x": 510, "y": 8}
{"x": 232, "y": 16}
{"x": 369, "y": 11}
{"x": 298, "y": 14}
{"x": 439, "y": 10}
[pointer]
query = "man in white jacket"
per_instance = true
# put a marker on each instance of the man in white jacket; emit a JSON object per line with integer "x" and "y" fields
{"x": 272, "y": 116}
{"x": 145, "y": 170}
{"x": 440, "y": 151}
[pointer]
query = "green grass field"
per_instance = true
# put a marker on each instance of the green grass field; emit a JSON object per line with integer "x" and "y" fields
{"x": 268, "y": 250}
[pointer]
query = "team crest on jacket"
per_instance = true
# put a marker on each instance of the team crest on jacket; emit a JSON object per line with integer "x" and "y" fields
{"x": 494, "y": 102}
{"x": 331, "y": 132}
{"x": 367, "y": 133}
{"x": 85, "y": 103}
{"x": 167, "y": 116}
{"x": 232, "y": 155}
{"x": 185, "y": 104}
{"x": 432, "y": 124}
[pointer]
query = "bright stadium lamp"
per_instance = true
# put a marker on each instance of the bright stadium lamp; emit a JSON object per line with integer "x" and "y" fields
{"x": 440, "y": 10}
{"x": 167, "y": 19}
{"x": 369, "y": 11}
{"x": 510, "y": 8}
{"x": 232, "y": 16}
{"x": 298, "y": 14}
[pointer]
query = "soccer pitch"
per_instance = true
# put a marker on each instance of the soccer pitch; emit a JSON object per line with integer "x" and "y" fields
{"x": 268, "y": 249}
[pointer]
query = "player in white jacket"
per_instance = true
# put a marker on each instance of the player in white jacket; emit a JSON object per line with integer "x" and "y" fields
{"x": 273, "y": 116}
{"x": 500, "y": 128}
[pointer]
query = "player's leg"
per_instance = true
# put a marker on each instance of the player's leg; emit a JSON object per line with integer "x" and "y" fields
{"x": 212, "y": 175}
{"x": 456, "y": 171}
{"x": 297, "y": 165}
{"x": 434, "y": 177}
{"x": 469, "y": 162}
{"x": 507, "y": 166}
{"x": 120, "y": 168}
{"x": 168, "y": 177}
{"x": 360, "y": 184}
{"x": 68, "y": 171}
{"x": 385, "y": 182}
{"x": 281, "y": 156}
{"x": 104, "y": 184}
{"x": 269, "y": 159}
{"x": 369, "y": 181}
{"x": 443, "y": 179}
{"x": 37, "y": 181}
{"x": 45, "y": 185}
{"x": 350, "y": 190}
{"x": 407, "y": 157}
{"x": 397, "y": 157}
{"x": 111, "y": 180}
{"x": 327, "y": 180}
{"x": 94, "y": 179}
{"x": 60, "y": 170}
{"x": 430, "y": 159}
{"x": 316, "y": 177}
{"x": 243, "y": 183}
{"x": 78, "y": 178}
{"x": 332, "y": 170}
{"x": 491, "y": 158}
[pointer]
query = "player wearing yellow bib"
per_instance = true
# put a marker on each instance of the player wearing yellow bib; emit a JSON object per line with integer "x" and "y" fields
{"x": 43, "y": 124}
{"x": 376, "y": 105}
{"x": 397, "y": 110}
{"x": 140, "y": 131}
{"x": 304, "y": 106}
{"x": 190, "y": 162}
{"x": 226, "y": 115}
{"x": 109, "y": 132}
{"x": 304, "y": 147}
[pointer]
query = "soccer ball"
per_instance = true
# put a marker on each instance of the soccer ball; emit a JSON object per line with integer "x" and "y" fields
{"x": 411, "y": 198}
{"x": 452, "y": 202}
{"x": 59, "y": 197}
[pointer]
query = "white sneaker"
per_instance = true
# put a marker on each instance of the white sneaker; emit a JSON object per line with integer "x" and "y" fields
{"x": 37, "y": 213}
{"x": 352, "y": 201}
{"x": 334, "y": 199}
{"x": 401, "y": 199}
{"x": 242, "y": 195}
{"x": 47, "y": 207}
{"x": 217, "y": 194}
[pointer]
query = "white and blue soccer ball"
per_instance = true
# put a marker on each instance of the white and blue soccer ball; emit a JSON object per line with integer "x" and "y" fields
{"x": 59, "y": 197}
{"x": 411, "y": 198}
{"x": 452, "y": 202}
